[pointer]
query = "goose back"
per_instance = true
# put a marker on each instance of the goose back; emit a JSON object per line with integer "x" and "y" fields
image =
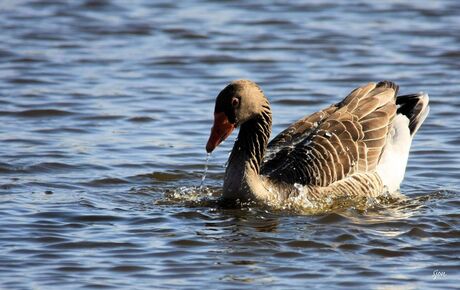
{"x": 332, "y": 144}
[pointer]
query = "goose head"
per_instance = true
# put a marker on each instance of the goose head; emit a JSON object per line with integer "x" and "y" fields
{"x": 237, "y": 103}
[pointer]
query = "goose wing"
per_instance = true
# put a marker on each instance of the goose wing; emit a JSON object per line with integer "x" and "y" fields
{"x": 336, "y": 142}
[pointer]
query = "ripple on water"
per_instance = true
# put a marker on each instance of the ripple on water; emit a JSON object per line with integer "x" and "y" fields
{"x": 82, "y": 244}
{"x": 43, "y": 113}
{"x": 141, "y": 119}
{"x": 108, "y": 181}
{"x": 306, "y": 244}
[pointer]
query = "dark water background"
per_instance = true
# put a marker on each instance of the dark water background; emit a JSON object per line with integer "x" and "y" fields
{"x": 105, "y": 108}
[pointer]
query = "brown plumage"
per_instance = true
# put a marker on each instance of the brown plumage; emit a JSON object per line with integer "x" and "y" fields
{"x": 342, "y": 140}
{"x": 335, "y": 151}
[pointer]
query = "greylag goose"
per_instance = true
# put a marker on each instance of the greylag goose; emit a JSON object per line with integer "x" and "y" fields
{"x": 357, "y": 147}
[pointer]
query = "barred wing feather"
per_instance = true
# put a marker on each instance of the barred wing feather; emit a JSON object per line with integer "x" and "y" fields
{"x": 334, "y": 143}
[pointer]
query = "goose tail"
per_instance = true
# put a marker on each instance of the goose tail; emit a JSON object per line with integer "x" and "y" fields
{"x": 412, "y": 110}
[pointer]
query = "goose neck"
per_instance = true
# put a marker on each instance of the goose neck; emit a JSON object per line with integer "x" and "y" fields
{"x": 244, "y": 163}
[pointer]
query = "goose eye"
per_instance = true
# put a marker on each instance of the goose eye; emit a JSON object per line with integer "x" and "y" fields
{"x": 235, "y": 102}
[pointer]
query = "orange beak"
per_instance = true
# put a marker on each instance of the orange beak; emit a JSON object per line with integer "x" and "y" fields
{"x": 221, "y": 129}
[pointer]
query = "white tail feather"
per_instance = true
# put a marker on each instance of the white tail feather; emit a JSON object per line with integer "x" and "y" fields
{"x": 392, "y": 165}
{"x": 412, "y": 111}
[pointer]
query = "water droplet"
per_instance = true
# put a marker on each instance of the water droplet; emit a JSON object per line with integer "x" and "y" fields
{"x": 298, "y": 187}
{"x": 208, "y": 155}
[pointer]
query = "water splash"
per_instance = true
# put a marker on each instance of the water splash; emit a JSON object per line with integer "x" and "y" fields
{"x": 208, "y": 156}
{"x": 190, "y": 196}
